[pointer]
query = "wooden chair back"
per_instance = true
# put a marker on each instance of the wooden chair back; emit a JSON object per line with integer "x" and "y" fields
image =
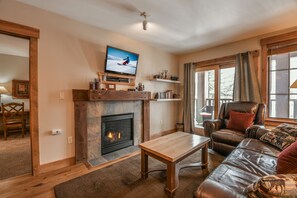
{"x": 13, "y": 116}
{"x": 13, "y": 111}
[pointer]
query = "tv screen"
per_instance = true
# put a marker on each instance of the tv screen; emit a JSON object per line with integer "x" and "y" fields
{"x": 121, "y": 61}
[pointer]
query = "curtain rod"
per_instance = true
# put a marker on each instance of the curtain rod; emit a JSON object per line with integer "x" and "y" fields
{"x": 222, "y": 59}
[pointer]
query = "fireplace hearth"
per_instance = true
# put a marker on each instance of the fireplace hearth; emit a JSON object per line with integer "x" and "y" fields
{"x": 116, "y": 132}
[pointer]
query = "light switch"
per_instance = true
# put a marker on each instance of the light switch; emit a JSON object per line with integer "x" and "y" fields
{"x": 62, "y": 95}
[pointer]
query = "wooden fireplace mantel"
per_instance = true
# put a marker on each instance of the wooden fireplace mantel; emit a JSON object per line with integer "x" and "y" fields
{"x": 82, "y": 97}
{"x": 109, "y": 95}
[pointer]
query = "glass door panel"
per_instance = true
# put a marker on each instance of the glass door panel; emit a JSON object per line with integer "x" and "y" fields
{"x": 226, "y": 84}
{"x": 204, "y": 96}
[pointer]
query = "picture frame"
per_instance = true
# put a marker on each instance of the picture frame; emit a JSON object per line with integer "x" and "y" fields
{"x": 110, "y": 86}
{"x": 20, "y": 89}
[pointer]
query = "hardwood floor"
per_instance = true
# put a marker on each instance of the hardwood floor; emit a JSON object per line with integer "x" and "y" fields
{"x": 41, "y": 186}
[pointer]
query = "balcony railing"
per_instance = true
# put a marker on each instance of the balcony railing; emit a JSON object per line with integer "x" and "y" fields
{"x": 207, "y": 111}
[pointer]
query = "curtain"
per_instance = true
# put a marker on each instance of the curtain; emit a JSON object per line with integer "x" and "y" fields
{"x": 246, "y": 84}
{"x": 188, "y": 105}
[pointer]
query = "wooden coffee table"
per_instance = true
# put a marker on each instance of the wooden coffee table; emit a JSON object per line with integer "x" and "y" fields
{"x": 171, "y": 149}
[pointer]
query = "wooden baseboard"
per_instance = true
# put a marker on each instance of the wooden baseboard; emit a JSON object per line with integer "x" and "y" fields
{"x": 162, "y": 133}
{"x": 57, "y": 165}
{"x": 71, "y": 161}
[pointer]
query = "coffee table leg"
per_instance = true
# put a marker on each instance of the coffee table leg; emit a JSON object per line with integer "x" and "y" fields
{"x": 144, "y": 164}
{"x": 172, "y": 177}
{"x": 204, "y": 156}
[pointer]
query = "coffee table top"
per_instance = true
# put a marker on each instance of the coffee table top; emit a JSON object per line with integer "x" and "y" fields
{"x": 174, "y": 146}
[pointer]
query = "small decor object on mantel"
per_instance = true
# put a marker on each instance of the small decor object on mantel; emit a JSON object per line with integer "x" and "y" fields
{"x": 20, "y": 89}
{"x": 95, "y": 85}
{"x": 111, "y": 86}
{"x": 140, "y": 87}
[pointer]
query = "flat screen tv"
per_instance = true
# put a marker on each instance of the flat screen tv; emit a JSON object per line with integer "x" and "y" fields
{"x": 121, "y": 61}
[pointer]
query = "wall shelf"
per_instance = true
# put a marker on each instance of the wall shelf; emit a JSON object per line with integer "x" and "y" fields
{"x": 165, "y": 80}
{"x": 167, "y": 100}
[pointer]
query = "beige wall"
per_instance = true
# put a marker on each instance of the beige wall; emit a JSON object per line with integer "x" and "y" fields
{"x": 227, "y": 49}
{"x": 13, "y": 67}
{"x": 69, "y": 56}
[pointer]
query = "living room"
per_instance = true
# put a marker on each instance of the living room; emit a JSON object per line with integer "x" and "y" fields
{"x": 71, "y": 53}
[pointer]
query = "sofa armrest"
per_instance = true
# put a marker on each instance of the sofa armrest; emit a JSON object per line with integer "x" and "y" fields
{"x": 211, "y": 126}
{"x": 211, "y": 189}
{"x": 255, "y": 131}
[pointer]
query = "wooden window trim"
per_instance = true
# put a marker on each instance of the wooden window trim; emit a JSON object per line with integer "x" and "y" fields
{"x": 213, "y": 67}
{"x": 226, "y": 60}
{"x": 221, "y": 63}
{"x": 266, "y": 44}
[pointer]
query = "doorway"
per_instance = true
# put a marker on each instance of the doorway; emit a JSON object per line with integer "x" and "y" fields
{"x": 15, "y": 150}
{"x": 31, "y": 35}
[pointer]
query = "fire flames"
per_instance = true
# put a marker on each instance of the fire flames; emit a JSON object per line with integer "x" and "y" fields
{"x": 114, "y": 136}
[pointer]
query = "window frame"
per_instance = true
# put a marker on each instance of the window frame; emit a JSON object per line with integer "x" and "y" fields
{"x": 282, "y": 43}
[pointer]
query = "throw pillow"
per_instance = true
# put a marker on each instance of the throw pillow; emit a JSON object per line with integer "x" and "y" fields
{"x": 287, "y": 160}
{"x": 281, "y": 136}
{"x": 273, "y": 186}
{"x": 240, "y": 121}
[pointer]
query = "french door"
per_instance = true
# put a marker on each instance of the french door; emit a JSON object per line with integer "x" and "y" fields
{"x": 213, "y": 86}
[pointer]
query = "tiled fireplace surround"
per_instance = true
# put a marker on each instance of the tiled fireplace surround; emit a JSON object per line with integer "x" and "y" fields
{"x": 91, "y": 105}
{"x": 97, "y": 109}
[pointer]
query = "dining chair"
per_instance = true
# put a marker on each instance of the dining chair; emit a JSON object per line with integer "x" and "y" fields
{"x": 13, "y": 117}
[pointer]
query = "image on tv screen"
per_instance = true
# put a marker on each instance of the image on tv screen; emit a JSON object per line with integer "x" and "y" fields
{"x": 121, "y": 61}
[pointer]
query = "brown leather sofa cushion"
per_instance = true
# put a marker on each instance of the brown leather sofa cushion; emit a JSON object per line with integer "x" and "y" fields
{"x": 226, "y": 136}
{"x": 245, "y": 165}
{"x": 253, "y": 145}
{"x": 223, "y": 148}
{"x": 233, "y": 178}
{"x": 248, "y": 107}
{"x": 252, "y": 162}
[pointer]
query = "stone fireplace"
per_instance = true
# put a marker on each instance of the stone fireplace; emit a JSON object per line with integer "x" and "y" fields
{"x": 92, "y": 108}
{"x": 116, "y": 132}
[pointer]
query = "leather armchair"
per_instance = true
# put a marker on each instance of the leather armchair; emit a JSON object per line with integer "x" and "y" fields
{"x": 225, "y": 140}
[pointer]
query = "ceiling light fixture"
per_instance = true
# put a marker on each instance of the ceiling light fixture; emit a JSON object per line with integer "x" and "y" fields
{"x": 144, "y": 22}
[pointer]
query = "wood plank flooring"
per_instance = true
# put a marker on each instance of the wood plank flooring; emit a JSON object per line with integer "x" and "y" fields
{"x": 41, "y": 186}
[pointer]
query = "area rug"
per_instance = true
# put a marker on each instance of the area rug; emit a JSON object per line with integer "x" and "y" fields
{"x": 123, "y": 179}
{"x": 15, "y": 155}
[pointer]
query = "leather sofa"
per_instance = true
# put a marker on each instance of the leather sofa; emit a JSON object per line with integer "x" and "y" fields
{"x": 249, "y": 161}
{"x": 225, "y": 140}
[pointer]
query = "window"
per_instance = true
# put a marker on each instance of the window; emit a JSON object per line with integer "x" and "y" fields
{"x": 282, "y": 73}
{"x": 279, "y": 60}
{"x": 213, "y": 86}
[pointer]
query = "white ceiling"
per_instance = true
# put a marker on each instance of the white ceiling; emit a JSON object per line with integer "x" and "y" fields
{"x": 180, "y": 26}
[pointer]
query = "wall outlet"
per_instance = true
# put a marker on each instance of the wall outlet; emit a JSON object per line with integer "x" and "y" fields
{"x": 56, "y": 131}
{"x": 70, "y": 140}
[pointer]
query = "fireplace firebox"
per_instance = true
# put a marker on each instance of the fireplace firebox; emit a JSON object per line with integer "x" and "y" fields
{"x": 117, "y": 132}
